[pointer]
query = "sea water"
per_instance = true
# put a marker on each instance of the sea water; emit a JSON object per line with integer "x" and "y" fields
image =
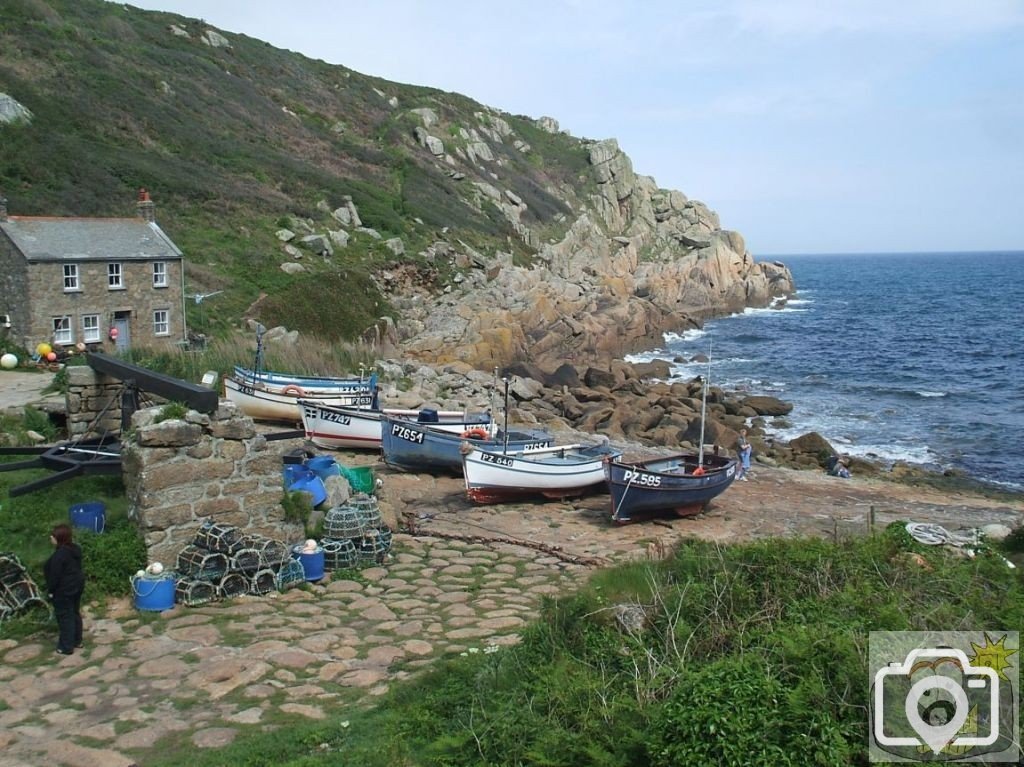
{"x": 911, "y": 357}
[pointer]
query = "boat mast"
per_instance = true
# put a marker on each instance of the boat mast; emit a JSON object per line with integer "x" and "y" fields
{"x": 505, "y": 447}
{"x": 704, "y": 409}
{"x": 257, "y": 364}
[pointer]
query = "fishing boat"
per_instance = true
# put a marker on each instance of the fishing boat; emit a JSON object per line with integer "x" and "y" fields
{"x": 420, "y": 446}
{"x": 683, "y": 483}
{"x": 348, "y": 427}
{"x": 269, "y": 396}
{"x": 561, "y": 471}
{"x": 265, "y": 405}
{"x": 301, "y": 386}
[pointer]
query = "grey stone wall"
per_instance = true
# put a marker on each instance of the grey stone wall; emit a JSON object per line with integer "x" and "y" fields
{"x": 14, "y": 295}
{"x": 45, "y": 288}
{"x": 93, "y": 403}
{"x": 181, "y": 473}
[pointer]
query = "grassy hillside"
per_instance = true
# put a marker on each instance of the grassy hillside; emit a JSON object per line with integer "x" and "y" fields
{"x": 236, "y": 142}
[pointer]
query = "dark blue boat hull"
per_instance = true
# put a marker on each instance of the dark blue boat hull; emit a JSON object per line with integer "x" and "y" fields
{"x": 657, "y": 486}
{"x": 414, "y": 446}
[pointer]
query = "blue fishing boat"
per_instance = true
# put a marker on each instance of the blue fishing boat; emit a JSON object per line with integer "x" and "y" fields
{"x": 683, "y": 484}
{"x": 420, "y": 446}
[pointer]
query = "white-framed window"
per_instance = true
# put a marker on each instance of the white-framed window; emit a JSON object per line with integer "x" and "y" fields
{"x": 71, "y": 282}
{"x": 91, "y": 328}
{"x": 161, "y": 322}
{"x": 115, "y": 276}
{"x": 62, "y": 333}
{"x": 159, "y": 274}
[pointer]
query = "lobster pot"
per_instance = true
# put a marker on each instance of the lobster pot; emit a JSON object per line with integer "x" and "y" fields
{"x": 193, "y": 593}
{"x": 233, "y": 585}
{"x": 245, "y": 561}
{"x": 272, "y": 553}
{"x": 343, "y": 522}
{"x": 367, "y": 509}
{"x": 339, "y": 554}
{"x": 263, "y": 581}
{"x": 217, "y": 537}
{"x": 292, "y": 573}
{"x": 17, "y": 589}
{"x": 373, "y": 548}
{"x": 202, "y": 564}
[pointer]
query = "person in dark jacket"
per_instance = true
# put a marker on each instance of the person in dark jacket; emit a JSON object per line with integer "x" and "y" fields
{"x": 65, "y": 582}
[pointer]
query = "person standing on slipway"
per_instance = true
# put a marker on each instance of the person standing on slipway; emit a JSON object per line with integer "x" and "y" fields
{"x": 743, "y": 450}
{"x": 65, "y": 582}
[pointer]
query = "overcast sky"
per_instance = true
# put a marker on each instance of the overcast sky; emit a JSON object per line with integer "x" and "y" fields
{"x": 811, "y": 126}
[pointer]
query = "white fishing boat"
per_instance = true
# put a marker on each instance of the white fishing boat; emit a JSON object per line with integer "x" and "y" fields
{"x": 349, "y": 427}
{"x": 267, "y": 396}
{"x": 264, "y": 405}
{"x": 302, "y": 386}
{"x": 562, "y": 471}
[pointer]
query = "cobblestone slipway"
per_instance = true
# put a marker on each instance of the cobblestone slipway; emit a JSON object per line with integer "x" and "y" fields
{"x": 205, "y": 675}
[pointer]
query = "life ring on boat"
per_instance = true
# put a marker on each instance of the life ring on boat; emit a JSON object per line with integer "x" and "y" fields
{"x": 293, "y": 391}
{"x": 475, "y": 433}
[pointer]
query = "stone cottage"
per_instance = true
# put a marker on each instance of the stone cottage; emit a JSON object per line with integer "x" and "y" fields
{"x": 107, "y": 283}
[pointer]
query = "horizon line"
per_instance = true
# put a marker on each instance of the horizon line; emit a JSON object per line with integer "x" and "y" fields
{"x": 1007, "y": 251}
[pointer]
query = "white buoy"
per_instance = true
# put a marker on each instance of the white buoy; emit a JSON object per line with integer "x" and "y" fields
{"x": 8, "y": 361}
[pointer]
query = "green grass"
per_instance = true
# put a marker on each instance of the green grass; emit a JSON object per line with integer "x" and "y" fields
{"x": 748, "y": 654}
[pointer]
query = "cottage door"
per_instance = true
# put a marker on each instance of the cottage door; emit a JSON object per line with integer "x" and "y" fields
{"x": 122, "y": 342}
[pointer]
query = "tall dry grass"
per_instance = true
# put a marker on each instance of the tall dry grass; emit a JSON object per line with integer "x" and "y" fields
{"x": 308, "y": 355}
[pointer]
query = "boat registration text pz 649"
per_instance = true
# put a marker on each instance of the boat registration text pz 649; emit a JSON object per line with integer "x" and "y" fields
{"x": 639, "y": 478}
{"x": 404, "y": 432}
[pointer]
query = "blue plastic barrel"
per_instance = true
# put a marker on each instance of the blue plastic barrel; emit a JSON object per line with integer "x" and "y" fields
{"x": 293, "y": 472}
{"x": 312, "y": 564}
{"x": 91, "y": 515}
{"x": 323, "y": 466}
{"x": 153, "y": 592}
{"x": 311, "y": 484}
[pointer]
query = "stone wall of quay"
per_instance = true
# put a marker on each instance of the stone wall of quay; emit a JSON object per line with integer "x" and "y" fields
{"x": 180, "y": 473}
{"x": 93, "y": 403}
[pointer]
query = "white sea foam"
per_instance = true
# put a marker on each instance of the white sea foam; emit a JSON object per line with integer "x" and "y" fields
{"x": 687, "y": 335}
{"x": 847, "y": 435}
{"x": 768, "y": 310}
{"x": 932, "y": 393}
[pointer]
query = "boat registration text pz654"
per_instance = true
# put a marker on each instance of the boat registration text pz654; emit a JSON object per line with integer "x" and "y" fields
{"x": 404, "y": 432}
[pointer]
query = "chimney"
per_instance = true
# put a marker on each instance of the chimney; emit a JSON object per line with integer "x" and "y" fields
{"x": 3, "y": 208}
{"x": 146, "y": 208}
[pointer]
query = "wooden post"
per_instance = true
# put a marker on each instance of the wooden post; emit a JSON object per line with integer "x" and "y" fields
{"x": 871, "y": 520}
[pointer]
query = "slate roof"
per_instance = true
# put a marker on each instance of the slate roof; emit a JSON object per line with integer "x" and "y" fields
{"x": 89, "y": 239}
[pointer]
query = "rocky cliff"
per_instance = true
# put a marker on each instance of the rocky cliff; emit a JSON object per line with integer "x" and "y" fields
{"x": 635, "y": 262}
